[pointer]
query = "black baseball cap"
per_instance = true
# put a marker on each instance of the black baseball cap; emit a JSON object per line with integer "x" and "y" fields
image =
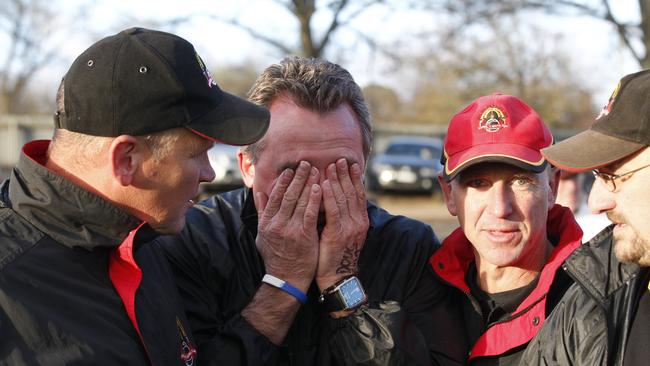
{"x": 621, "y": 129}
{"x": 142, "y": 81}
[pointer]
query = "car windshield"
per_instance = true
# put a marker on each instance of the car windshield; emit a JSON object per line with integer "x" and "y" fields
{"x": 420, "y": 151}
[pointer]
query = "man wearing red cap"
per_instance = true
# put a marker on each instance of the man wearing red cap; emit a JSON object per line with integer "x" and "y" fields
{"x": 504, "y": 259}
{"x": 604, "y": 316}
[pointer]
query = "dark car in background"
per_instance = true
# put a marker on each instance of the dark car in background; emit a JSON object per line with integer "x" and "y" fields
{"x": 408, "y": 164}
{"x": 223, "y": 159}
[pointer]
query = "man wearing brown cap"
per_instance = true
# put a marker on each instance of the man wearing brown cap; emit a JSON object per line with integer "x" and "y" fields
{"x": 136, "y": 114}
{"x": 502, "y": 263}
{"x": 605, "y": 316}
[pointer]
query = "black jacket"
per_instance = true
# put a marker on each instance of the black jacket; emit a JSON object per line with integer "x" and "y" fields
{"x": 58, "y": 302}
{"x": 591, "y": 324}
{"x": 219, "y": 269}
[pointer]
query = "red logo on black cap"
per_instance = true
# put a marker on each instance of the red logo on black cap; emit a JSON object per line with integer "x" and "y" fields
{"x": 188, "y": 352}
{"x": 206, "y": 72}
{"x": 492, "y": 120}
{"x": 608, "y": 108}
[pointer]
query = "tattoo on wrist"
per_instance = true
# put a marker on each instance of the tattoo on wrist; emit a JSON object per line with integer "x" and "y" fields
{"x": 350, "y": 258}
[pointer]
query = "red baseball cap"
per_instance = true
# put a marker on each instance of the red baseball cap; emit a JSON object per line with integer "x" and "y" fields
{"x": 495, "y": 128}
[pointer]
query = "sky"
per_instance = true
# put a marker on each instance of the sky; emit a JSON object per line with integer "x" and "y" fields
{"x": 592, "y": 44}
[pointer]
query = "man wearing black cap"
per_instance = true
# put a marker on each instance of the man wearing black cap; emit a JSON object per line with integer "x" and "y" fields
{"x": 605, "y": 316}
{"x": 265, "y": 284}
{"x": 136, "y": 114}
{"x": 502, "y": 262}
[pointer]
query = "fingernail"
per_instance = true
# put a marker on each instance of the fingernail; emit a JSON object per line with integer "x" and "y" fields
{"x": 332, "y": 170}
{"x": 355, "y": 168}
{"x": 304, "y": 164}
{"x": 313, "y": 172}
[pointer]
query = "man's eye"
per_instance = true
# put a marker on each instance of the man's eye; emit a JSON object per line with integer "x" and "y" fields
{"x": 475, "y": 183}
{"x": 522, "y": 181}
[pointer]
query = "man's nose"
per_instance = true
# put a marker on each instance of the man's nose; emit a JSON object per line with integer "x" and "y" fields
{"x": 500, "y": 201}
{"x": 600, "y": 198}
{"x": 206, "y": 173}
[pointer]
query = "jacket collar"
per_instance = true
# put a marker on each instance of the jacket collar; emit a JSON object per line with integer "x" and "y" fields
{"x": 455, "y": 255}
{"x": 61, "y": 209}
{"x": 451, "y": 261}
{"x": 249, "y": 212}
{"x": 595, "y": 266}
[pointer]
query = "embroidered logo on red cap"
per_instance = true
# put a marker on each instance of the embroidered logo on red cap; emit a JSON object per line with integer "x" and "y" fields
{"x": 492, "y": 120}
{"x": 608, "y": 108}
{"x": 206, "y": 72}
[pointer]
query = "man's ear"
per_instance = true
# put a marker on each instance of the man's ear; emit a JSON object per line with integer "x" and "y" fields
{"x": 554, "y": 183}
{"x": 246, "y": 168}
{"x": 126, "y": 158}
{"x": 446, "y": 194}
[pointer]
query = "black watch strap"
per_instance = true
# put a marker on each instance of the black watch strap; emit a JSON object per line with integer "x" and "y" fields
{"x": 333, "y": 301}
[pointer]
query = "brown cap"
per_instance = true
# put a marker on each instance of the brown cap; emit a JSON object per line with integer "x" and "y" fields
{"x": 621, "y": 128}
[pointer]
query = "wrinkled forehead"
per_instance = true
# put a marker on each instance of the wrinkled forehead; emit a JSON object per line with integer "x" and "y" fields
{"x": 311, "y": 133}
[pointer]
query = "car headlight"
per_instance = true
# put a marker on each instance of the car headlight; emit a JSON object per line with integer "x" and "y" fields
{"x": 386, "y": 176}
{"x": 378, "y": 168}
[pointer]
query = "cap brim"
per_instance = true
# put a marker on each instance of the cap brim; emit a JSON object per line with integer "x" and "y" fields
{"x": 512, "y": 154}
{"x": 235, "y": 121}
{"x": 589, "y": 150}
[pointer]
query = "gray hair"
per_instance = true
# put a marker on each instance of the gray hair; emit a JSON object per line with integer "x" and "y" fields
{"x": 83, "y": 149}
{"x": 311, "y": 83}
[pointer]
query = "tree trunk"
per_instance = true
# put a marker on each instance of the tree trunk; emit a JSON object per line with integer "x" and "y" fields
{"x": 304, "y": 10}
{"x": 644, "y": 6}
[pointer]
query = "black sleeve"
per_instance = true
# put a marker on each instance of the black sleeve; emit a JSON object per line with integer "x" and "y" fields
{"x": 406, "y": 321}
{"x": 204, "y": 271}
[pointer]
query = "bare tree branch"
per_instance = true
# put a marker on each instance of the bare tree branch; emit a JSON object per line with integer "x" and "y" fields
{"x": 337, "y": 22}
{"x": 332, "y": 27}
{"x": 34, "y": 35}
{"x": 622, "y": 31}
{"x": 255, "y": 34}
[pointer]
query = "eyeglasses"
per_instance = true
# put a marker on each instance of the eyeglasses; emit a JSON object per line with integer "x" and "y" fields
{"x": 610, "y": 179}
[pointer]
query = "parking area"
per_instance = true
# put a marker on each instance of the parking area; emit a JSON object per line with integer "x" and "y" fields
{"x": 428, "y": 208}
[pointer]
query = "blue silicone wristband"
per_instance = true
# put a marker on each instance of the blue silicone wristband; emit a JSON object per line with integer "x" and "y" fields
{"x": 286, "y": 287}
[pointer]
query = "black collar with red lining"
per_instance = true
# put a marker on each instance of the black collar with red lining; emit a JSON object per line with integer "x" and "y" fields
{"x": 61, "y": 209}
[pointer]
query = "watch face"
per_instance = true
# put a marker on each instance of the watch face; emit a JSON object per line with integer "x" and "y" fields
{"x": 352, "y": 292}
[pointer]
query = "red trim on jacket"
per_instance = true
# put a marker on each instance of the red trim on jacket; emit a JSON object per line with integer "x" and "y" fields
{"x": 124, "y": 272}
{"x": 455, "y": 255}
{"x": 37, "y": 150}
{"x": 126, "y": 277}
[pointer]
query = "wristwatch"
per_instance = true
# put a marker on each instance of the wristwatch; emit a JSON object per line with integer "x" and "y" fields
{"x": 346, "y": 294}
